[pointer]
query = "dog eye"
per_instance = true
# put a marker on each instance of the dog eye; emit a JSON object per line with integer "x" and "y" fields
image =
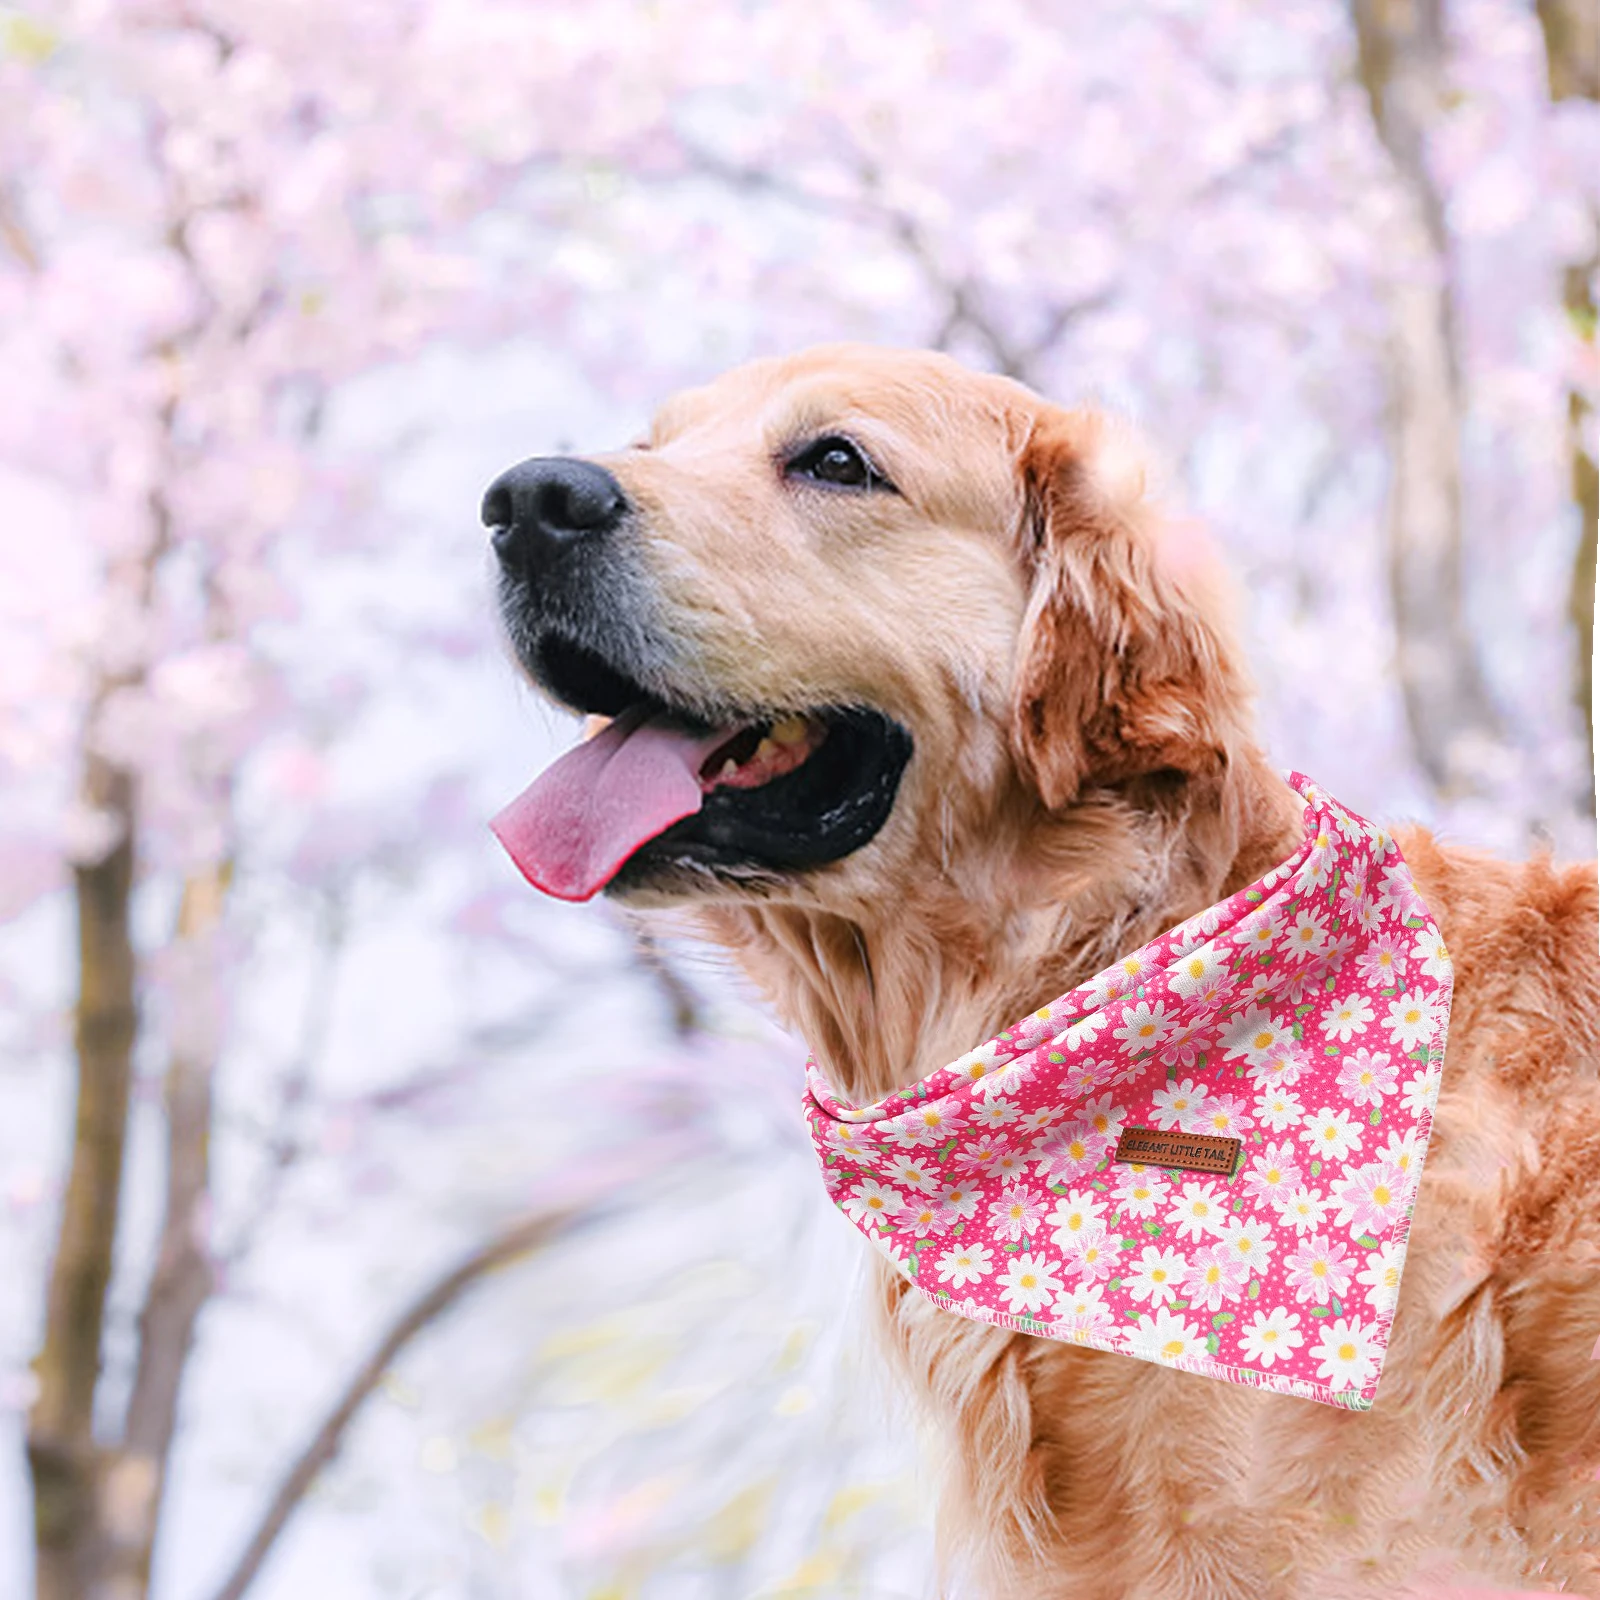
{"x": 836, "y": 460}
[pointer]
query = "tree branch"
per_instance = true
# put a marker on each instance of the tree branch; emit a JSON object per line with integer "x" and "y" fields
{"x": 585, "y": 1200}
{"x": 134, "y": 1477}
{"x": 283, "y": 1144}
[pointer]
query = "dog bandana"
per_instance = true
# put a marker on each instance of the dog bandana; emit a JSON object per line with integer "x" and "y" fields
{"x": 1207, "y": 1155}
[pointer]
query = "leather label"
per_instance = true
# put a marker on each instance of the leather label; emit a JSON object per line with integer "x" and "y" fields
{"x": 1188, "y": 1152}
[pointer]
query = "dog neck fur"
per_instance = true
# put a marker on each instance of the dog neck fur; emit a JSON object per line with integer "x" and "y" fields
{"x": 892, "y": 993}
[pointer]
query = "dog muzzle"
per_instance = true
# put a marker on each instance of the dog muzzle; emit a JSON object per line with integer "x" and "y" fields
{"x": 1207, "y": 1156}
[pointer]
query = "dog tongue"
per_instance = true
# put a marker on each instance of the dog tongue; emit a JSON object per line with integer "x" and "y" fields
{"x": 581, "y": 818}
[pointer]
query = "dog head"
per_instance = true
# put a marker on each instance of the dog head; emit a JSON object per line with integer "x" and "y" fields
{"x": 845, "y": 610}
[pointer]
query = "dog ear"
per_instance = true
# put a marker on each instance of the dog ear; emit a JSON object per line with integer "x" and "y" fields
{"x": 1122, "y": 665}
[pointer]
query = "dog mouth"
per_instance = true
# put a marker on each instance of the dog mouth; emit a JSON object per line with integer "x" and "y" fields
{"x": 664, "y": 789}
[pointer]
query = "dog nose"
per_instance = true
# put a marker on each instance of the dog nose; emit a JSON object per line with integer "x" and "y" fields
{"x": 544, "y": 506}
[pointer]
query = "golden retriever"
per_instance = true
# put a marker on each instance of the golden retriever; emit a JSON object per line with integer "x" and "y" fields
{"x": 926, "y": 711}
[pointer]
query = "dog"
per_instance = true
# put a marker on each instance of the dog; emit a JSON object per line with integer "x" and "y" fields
{"x": 907, "y": 691}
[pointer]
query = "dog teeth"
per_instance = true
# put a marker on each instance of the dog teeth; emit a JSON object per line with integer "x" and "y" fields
{"x": 765, "y": 751}
{"x": 790, "y": 731}
{"x": 729, "y": 767}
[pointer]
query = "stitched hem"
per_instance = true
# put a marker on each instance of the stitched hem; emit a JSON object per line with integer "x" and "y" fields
{"x": 1206, "y": 1366}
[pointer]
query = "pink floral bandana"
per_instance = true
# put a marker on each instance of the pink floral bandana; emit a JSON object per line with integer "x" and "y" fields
{"x": 1277, "y": 1058}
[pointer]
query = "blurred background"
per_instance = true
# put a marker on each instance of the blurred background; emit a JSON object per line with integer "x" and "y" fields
{"x": 310, "y": 1283}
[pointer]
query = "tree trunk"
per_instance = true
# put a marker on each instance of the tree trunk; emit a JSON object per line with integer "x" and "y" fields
{"x": 1454, "y": 730}
{"x": 134, "y": 1477}
{"x": 61, "y": 1450}
{"x": 1572, "y": 53}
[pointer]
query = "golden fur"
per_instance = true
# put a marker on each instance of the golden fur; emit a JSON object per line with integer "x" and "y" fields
{"x": 1086, "y": 775}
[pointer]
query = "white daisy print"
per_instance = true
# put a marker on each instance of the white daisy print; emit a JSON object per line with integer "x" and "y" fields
{"x": 1166, "y": 1336}
{"x": 1211, "y": 995}
{"x": 1402, "y": 1151}
{"x": 1199, "y": 1212}
{"x": 1398, "y": 894}
{"x": 1085, "y": 1077}
{"x": 1272, "y": 1334}
{"x": 1277, "y": 874}
{"x": 1279, "y": 1109}
{"x": 1345, "y": 1354}
{"x": 1140, "y": 1190}
{"x": 1258, "y": 931}
{"x": 1307, "y": 936}
{"x": 1365, "y": 913}
{"x": 962, "y": 1199}
{"x": 922, "y": 1217}
{"x": 1321, "y": 858}
{"x": 979, "y": 1155}
{"x": 1105, "y": 1118}
{"x": 1202, "y": 924}
{"x": 1412, "y": 1021}
{"x": 1092, "y": 1254}
{"x": 1255, "y": 1036}
{"x": 1366, "y": 1077}
{"x": 1221, "y": 1116}
{"x": 1156, "y": 1275}
{"x": 853, "y": 1139}
{"x": 1182, "y": 1047}
{"x": 1381, "y": 1275}
{"x": 1214, "y": 1275}
{"x": 1075, "y": 1212}
{"x": 1318, "y": 1269}
{"x": 1068, "y": 1152}
{"x": 1421, "y": 1091}
{"x": 1353, "y": 885}
{"x": 870, "y": 1200}
{"x": 1273, "y": 1173}
{"x": 1083, "y": 1308}
{"x": 963, "y": 1263}
{"x": 1383, "y": 963}
{"x": 1302, "y": 1209}
{"x": 1269, "y": 987}
{"x": 1282, "y": 1066}
{"x": 1037, "y": 1121}
{"x": 1172, "y": 1106}
{"x": 930, "y": 1123}
{"x": 1430, "y": 951}
{"x": 1331, "y": 1134}
{"x": 977, "y": 1064}
{"x": 1028, "y": 1284}
{"x": 1007, "y": 1077}
{"x": 890, "y": 1245}
{"x": 1016, "y": 1214}
{"x": 1119, "y": 980}
{"x": 1083, "y": 1031}
{"x": 1197, "y": 971}
{"x": 1250, "y": 1242}
{"x": 1144, "y": 1026}
{"x": 1371, "y": 1199}
{"x": 1010, "y": 1163}
{"x": 1345, "y": 1020}
{"x": 995, "y": 1112}
{"x": 914, "y": 1173}
{"x": 1352, "y": 827}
